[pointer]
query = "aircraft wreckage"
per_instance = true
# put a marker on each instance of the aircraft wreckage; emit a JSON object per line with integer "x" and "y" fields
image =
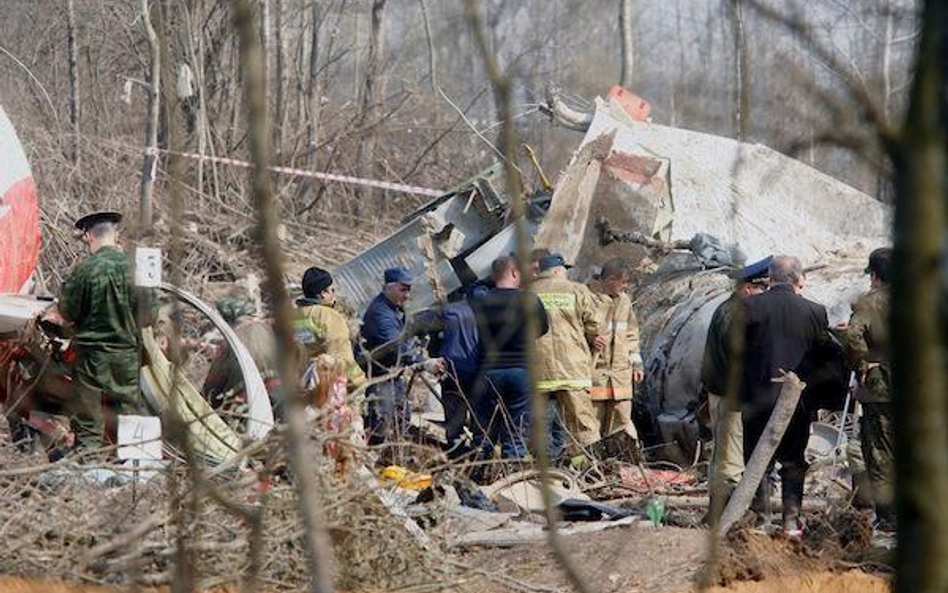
{"x": 684, "y": 206}
{"x": 689, "y": 207}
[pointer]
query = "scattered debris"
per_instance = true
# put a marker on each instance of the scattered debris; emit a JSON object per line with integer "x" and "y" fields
{"x": 522, "y": 490}
{"x": 523, "y": 532}
{"x": 403, "y": 478}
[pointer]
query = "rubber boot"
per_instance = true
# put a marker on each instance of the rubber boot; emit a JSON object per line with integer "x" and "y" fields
{"x": 791, "y": 489}
{"x": 885, "y": 517}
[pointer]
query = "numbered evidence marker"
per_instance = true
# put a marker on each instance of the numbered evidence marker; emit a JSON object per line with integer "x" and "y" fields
{"x": 148, "y": 267}
{"x": 139, "y": 438}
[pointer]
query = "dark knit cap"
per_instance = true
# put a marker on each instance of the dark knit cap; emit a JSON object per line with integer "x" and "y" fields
{"x": 315, "y": 280}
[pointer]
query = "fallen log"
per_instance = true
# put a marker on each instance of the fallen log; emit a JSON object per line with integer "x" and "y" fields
{"x": 764, "y": 451}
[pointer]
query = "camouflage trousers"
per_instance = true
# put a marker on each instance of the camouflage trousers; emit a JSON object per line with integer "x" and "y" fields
{"x": 100, "y": 375}
{"x": 878, "y": 440}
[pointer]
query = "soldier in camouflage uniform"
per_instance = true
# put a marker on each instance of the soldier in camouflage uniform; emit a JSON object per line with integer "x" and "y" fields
{"x": 224, "y": 383}
{"x": 100, "y": 301}
{"x": 866, "y": 342}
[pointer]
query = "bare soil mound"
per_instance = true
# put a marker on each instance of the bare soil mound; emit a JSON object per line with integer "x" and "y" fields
{"x": 832, "y": 543}
{"x": 820, "y": 582}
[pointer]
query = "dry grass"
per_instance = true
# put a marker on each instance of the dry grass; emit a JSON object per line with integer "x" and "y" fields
{"x": 56, "y": 525}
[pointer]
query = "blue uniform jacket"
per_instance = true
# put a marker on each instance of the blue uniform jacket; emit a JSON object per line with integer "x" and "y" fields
{"x": 460, "y": 337}
{"x": 383, "y": 333}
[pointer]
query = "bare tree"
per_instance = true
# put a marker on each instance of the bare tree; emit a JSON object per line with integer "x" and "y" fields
{"x": 918, "y": 320}
{"x": 312, "y": 85}
{"x": 150, "y": 162}
{"x": 267, "y": 211}
{"x": 741, "y": 78}
{"x": 373, "y": 88}
{"x": 628, "y": 52}
{"x": 74, "y": 102}
{"x": 279, "y": 74}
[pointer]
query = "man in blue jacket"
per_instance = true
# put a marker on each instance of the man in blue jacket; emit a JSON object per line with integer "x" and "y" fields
{"x": 459, "y": 350}
{"x": 387, "y": 350}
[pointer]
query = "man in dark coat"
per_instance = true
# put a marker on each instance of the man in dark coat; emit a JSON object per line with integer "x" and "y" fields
{"x": 503, "y": 343}
{"x": 459, "y": 350}
{"x": 783, "y": 330}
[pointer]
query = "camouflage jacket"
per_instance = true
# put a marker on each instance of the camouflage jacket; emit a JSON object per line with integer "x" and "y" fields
{"x": 100, "y": 300}
{"x": 224, "y": 376}
{"x": 866, "y": 343}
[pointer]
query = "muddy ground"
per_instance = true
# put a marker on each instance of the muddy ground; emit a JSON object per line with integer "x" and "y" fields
{"x": 836, "y": 556}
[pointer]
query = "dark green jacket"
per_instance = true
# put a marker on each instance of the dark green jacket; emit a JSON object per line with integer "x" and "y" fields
{"x": 866, "y": 343}
{"x": 99, "y": 299}
{"x": 718, "y": 348}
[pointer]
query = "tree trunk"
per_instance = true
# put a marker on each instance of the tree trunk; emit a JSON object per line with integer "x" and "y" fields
{"x": 265, "y": 30}
{"x": 764, "y": 451}
{"x": 279, "y": 109}
{"x": 150, "y": 163}
{"x": 373, "y": 88}
{"x": 625, "y": 31}
{"x": 313, "y": 91}
{"x": 318, "y": 554}
{"x": 741, "y": 80}
{"x": 918, "y": 321}
{"x": 882, "y": 179}
{"x": 74, "y": 103}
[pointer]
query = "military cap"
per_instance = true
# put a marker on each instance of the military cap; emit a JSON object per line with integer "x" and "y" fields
{"x": 554, "y": 260}
{"x": 755, "y": 272}
{"x": 90, "y": 220}
{"x": 397, "y": 275}
{"x": 315, "y": 280}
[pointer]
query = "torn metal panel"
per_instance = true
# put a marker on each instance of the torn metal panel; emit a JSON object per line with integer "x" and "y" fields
{"x": 747, "y": 194}
{"x": 432, "y": 245}
{"x": 564, "y": 226}
{"x": 505, "y": 242}
{"x": 743, "y": 194}
{"x": 17, "y": 311}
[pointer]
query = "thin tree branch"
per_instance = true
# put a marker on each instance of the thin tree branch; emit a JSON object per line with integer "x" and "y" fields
{"x": 538, "y": 422}
{"x": 317, "y": 549}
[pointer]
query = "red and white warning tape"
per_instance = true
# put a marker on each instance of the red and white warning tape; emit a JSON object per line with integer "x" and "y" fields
{"x": 399, "y": 187}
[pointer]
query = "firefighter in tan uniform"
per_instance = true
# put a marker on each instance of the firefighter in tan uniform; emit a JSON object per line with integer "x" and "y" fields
{"x": 564, "y": 354}
{"x": 320, "y": 328}
{"x": 619, "y": 366}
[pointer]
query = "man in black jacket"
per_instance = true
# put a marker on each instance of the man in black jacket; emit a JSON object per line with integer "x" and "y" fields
{"x": 503, "y": 341}
{"x": 783, "y": 330}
